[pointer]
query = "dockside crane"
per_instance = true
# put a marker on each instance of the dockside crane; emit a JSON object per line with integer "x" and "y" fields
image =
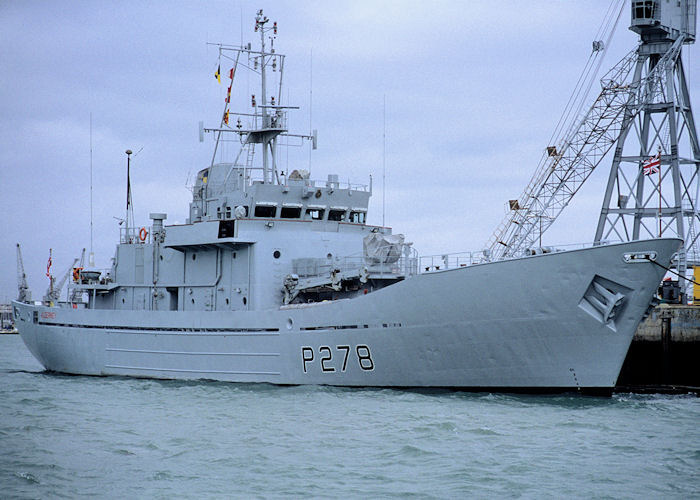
{"x": 24, "y": 294}
{"x": 53, "y": 293}
{"x": 654, "y": 179}
{"x": 646, "y": 92}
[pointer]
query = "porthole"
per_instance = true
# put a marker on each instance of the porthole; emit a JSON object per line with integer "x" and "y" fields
{"x": 290, "y": 323}
{"x": 234, "y": 255}
{"x": 245, "y": 301}
{"x": 226, "y": 300}
{"x": 161, "y": 257}
{"x": 193, "y": 301}
{"x": 276, "y": 254}
{"x": 123, "y": 301}
{"x": 194, "y": 256}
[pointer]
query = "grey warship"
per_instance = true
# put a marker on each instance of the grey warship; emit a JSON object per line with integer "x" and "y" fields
{"x": 278, "y": 278}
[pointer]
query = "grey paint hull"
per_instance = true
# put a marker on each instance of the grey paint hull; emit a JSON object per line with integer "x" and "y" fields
{"x": 523, "y": 323}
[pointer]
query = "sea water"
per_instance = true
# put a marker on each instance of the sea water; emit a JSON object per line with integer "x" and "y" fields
{"x": 110, "y": 437}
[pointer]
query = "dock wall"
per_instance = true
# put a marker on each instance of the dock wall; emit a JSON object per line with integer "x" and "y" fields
{"x": 665, "y": 349}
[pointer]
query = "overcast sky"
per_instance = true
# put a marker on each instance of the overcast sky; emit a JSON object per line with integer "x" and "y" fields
{"x": 473, "y": 92}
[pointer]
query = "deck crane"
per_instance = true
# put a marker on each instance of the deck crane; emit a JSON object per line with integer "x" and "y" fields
{"x": 24, "y": 295}
{"x": 627, "y": 93}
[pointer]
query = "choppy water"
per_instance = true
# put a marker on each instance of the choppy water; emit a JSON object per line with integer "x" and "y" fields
{"x": 68, "y": 437}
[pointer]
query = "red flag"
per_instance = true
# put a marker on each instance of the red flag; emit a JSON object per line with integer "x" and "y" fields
{"x": 48, "y": 266}
{"x": 651, "y": 166}
{"x": 226, "y": 117}
{"x": 228, "y": 94}
{"x": 231, "y": 74}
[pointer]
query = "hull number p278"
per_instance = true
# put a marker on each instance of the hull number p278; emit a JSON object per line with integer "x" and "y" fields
{"x": 336, "y": 360}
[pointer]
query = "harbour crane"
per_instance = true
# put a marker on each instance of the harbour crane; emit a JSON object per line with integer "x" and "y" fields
{"x": 54, "y": 291}
{"x": 24, "y": 295}
{"x": 648, "y": 81}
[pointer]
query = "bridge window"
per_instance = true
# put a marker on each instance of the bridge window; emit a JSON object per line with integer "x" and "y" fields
{"x": 314, "y": 213}
{"x": 267, "y": 211}
{"x": 358, "y": 217}
{"x": 336, "y": 214}
{"x": 223, "y": 213}
{"x": 291, "y": 212}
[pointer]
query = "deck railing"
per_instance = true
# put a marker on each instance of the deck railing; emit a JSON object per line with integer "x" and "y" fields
{"x": 135, "y": 235}
{"x": 441, "y": 262}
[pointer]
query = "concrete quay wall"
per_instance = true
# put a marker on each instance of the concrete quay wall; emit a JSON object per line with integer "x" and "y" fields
{"x": 685, "y": 323}
{"x": 665, "y": 350}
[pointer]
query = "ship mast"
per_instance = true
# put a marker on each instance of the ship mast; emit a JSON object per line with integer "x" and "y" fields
{"x": 269, "y": 118}
{"x": 260, "y": 21}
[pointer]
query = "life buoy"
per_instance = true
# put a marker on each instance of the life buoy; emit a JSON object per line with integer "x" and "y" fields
{"x": 143, "y": 234}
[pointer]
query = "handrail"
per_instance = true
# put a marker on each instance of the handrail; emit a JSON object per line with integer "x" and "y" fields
{"x": 140, "y": 235}
{"x": 441, "y": 262}
{"x": 234, "y": 183}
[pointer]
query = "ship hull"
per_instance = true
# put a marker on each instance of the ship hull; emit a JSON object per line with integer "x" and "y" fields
{"x": 530, "y": 324}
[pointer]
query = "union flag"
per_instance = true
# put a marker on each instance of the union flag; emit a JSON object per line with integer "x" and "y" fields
{"x": 651, "y": 166}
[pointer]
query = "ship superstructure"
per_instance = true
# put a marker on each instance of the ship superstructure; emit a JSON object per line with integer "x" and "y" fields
{"x": 256, "y": 237}
{"x": 278, "y": 278}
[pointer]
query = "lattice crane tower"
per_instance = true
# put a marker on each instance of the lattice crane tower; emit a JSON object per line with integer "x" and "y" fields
{"x": 642, "y": 201}
{"x": 643, "y": 105}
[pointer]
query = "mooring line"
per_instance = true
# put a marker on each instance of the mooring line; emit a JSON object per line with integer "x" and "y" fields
{"x": 674, "y": 272}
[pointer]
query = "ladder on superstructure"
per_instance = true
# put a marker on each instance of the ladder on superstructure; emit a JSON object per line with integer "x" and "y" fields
{"x": 250, "y": 155}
